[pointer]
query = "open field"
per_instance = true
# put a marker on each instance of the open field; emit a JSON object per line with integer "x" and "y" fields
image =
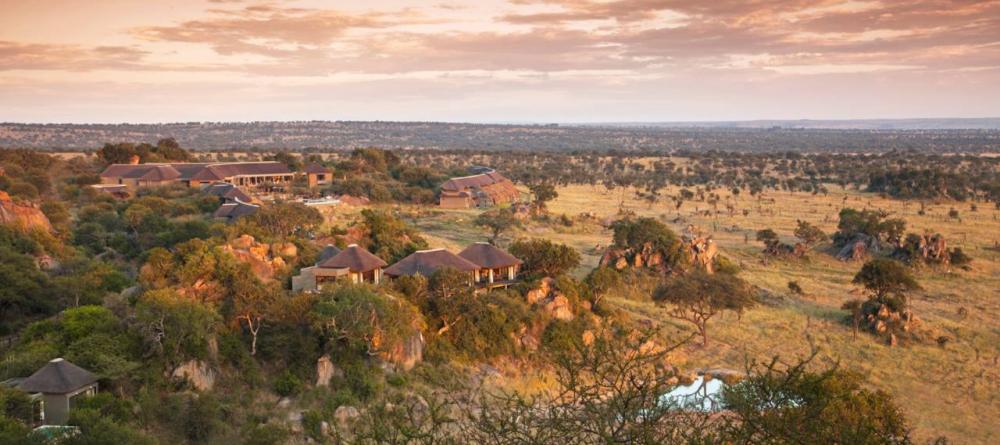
{"x": 952, "y": 390}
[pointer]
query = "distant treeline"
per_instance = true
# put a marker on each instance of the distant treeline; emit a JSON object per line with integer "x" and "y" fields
{"x": 316, "y": 136}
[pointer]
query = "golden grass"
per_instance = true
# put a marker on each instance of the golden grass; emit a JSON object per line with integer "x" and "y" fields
{"x": 952, "y": 390}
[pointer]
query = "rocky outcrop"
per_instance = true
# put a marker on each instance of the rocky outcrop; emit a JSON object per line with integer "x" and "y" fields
{"x": 881, "y": 320}
{"x": 703, "y": 253}
{"x": 550, "y": 300}
{"x": 24, "y": 216}
{"x": 777, "y": 249}
{"x": 927, "y": 248}
{"x": 345, "y": 415}
{"x": 197, "y": 373}
{"x": 858, "y": 248}
{"x": 326, "y": 371}
{"x": 700, "y": 251}
{"x": 264, "y": 259}
{"x": 405, "y": 355}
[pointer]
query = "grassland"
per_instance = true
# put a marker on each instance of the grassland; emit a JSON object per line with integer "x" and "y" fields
{"x": 951, "y": 390}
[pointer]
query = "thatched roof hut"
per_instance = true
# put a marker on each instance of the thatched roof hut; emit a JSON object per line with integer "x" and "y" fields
{"x": 426, "y": 262}
{"x": 58, "y": 377}
{"x": 354, "y": 258}
{"x": 488, "y": 256}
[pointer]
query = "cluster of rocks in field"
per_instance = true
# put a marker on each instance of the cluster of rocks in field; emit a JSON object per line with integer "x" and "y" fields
{"x": 893, "y": 325}
{"x": 702, "y": 252}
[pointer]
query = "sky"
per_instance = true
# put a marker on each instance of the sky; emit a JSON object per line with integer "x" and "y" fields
{"x": 109, "y": 61}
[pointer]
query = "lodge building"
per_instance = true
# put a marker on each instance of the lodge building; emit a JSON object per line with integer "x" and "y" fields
{"x": 482, "y": 190}
{"x": 242, "y": 174}
{"x": 487, "y": 266}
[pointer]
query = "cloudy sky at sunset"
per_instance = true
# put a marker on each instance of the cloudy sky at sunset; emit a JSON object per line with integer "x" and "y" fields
{"x": 496, "y": 61}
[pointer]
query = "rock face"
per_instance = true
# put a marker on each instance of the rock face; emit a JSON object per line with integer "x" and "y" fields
{"x": 264, "y": 259}
{"x": 326, "y": 371}
{"x": 22, "y": 216}
{"x": 197, "y": 373}
{"x": 344, "y": 415}
{"x": 407, "y": 354}
{"x": 704, "y": 252}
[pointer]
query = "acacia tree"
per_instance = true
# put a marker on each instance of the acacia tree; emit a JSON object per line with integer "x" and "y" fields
{"x": 497, "y": 221}
{"x": 887, "y": 281}
{"x": 543, "y": 193}
{"x": 809, "y": 234}
{"x": 283, "y": 219}
{"x": 698, "y": 296}
{"x": 251, "y": 302}
{"x": 365, "y": 320}
{"x": 544, "y": 258}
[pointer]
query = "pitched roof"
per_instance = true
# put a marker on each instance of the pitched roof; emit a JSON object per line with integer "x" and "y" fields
{"x": 161, "y": 173}
{"x": 58, "y": 377}
{"x": 474, "y": 181}
{"x": 216, "y": 172}
{"x": 316, "y": 168}
{"x": 328, "y": 252}
{"x": 355, "y": 258}
{"x": 426, "y": 262}
{"x": 198, "y": 171}
{"x": 488, "y": 256}
{"x": 227, "y": 191}
{"x": 235, "y": 209}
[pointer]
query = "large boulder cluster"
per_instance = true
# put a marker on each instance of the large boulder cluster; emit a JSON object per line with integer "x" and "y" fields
{"x": 264, "y": 259}
{"x": 551, "y": 301}
{"x": 701, "y": 252}
{"x": 882, "y": 320}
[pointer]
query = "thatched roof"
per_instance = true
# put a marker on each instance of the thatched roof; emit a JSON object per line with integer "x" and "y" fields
{"x": 354, "y": 258}
{"x": 426, "y": 262}
{"x": 328, "y": 252}
{"x": 58, "y": 377}
{"x": 234, "y": 210}
{"x": 488, "y": 256}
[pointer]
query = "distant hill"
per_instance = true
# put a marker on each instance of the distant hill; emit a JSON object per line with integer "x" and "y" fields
{"x": 986, "y": 123}
{"x": 799, "y": 136}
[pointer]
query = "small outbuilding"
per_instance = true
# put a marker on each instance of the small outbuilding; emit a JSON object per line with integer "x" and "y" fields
{"x": 317, "y": 175}
{"x": 58, "y": 382}
{"x": 494, "y": 266}
{"x": 426, "y": 262}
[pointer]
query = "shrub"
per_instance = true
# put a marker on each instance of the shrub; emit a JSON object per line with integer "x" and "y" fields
{"x": 794, "y": 287}
{"x": 545, "y": 258}
{"x": 287, "y": 384}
